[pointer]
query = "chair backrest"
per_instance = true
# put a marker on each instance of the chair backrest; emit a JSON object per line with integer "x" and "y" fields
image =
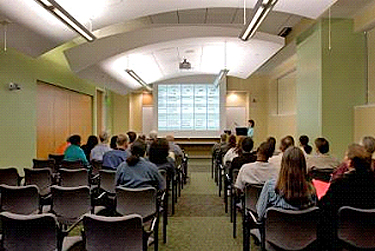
{"x": 44, "y": 163}
{"x": 29, "y": 232}
{"x": 113, "y": 233}
{"x": 108, "y": 180}
{"x": 142, "y": 201}
{"x": 96, "y": 166}
{"x": 19, "y": 199}
{"x": 41, "y": 177}
{"x": 321, "y": 174}
{"x": 9, "y": 176}
{"x": 73, "y": 177}
{"x": 251, "y": 195}
{"x": 291, "y": 229}
{"x": 70, "y": 203}
{"x": 356, "y": 227}
{"x": 58, "y": 159}
{"x": 77, "y": 164}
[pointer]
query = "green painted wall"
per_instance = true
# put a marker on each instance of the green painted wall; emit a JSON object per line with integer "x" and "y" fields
{"x": 18, "y": 108}
{"x": 309, "y": 84}
{"x": 330, "y": 82}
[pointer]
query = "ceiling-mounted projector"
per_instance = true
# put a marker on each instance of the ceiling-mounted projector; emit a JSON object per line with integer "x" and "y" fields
{"x": 185, "y": 65}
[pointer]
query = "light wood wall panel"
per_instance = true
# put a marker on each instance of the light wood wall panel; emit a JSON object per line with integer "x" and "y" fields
{"x": 364, "y": 122}
{"x": 60, "y": 113}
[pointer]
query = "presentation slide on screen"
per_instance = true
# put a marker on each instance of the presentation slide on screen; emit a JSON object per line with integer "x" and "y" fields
{"x": 184, "y": 107}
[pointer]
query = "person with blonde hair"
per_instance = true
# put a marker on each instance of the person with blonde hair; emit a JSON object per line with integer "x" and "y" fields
{"x": 100, "y": 149}
{"x": 112, "y": 159}
{"x": 292, "y": 189}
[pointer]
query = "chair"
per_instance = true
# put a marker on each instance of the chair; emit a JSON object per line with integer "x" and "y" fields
{"x": 42, "y": 178}
{"x": 249, "y": 212}
{"x": 96, "y": 166}
{"x": 70, "y": 203}
{"x": 78, "y": 164}
{"x": 44, "y": 163}
{"x": 113, "y": 233}
{"x": 233, "y": 194}
{"x": 321, "y": 174}
{"x": 33, "y": 232}
{"x": 9, "y": 176}
{"x": 142, "y": 201}
{"x": 73, "y": 177}
{"x": 106, "y": 195}
{"x": 290, "y": 229}
{"x": 58, "y": 159}
{"x": 356, "y": 228}
{"x": 29, "y": 232}
{"x": 19, "y": 199}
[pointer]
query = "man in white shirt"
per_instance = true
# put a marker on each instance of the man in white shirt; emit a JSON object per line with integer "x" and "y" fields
{"x": 257, "y": 172}
{"x": 100, "y": 149}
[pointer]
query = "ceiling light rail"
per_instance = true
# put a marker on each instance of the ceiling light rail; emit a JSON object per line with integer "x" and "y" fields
{"x": 64, "y": 16}
{"x": 138, "y": 79}
{"x": 261, "y": 10}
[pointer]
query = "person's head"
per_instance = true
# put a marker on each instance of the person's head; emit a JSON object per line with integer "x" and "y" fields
{"x": 159, "y": 151}
{"x": 75, "y": 140}
{"x": 223, "y": 137}
{"x": 263, "y": 153}
{"x": 103, "y": 137}
{"x": 137, "y": 150}
{"x": 303, "y": 140}
{"x": 247, "y": 144}
{"x": 272, "y": 145}
{"x": 169, "y": 137}
{"x": 251, "y": 123}
{"x": 122, "y": 141}
{"x": 286, "y": 142}
{"x": 232, "y": 141}
{"x": 359, "y": 158}
{"x": 369, "y": 143}
{"x": 113, "y": 142}
{"x": 92, "y": 141}
{"x": 153, "y": 135}
{"x": 132, "y": 136}
{"x": 322, "y": 145}
{"x": 292, "y": 183}
{"x": 142, "y": 137}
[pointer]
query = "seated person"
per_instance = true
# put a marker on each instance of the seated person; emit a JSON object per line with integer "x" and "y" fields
{"x": 100, "y": 149}
{"x": 355, "y": 188}
{"x": 285, "y": 143}
{"x": 136, "y": 171}
{"x": 173, "y": 147}
{"x": 291, "y": 190}
{"x": 258, "y": 172}
{"x": 322, "y": 160}
{"x": 113, "y": 142}
{"x": 74, "y": 151}
{"x": 368, "y": 143}
{"x": 216, "y": 148}
{"x": 159, "y": 155}
{"x": 246, "y": 156}
{"x": 132, "y": 137}
{"x": 92, "y": 141}
{"x": 234, "y": 151}
{"x": 232, "y": 142}
{"x": 112, "y": 159}
{"x": 304, "y": 144}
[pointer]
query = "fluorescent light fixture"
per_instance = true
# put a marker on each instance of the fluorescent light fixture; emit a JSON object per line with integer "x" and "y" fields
{"x": 138, "y": 79}
{"x": 261, "y": 10}
{"x": 53, "y": 7}
{"x": 223, "y": 73}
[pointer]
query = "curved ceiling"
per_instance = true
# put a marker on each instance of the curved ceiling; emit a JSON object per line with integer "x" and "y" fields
{"x": 153, "y": 36}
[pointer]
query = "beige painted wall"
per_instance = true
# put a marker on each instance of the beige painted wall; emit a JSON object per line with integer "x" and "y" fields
{"x": 135, "y": 112}
{"x": 120, "y": 119}
{"x": 364, "y": 122}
